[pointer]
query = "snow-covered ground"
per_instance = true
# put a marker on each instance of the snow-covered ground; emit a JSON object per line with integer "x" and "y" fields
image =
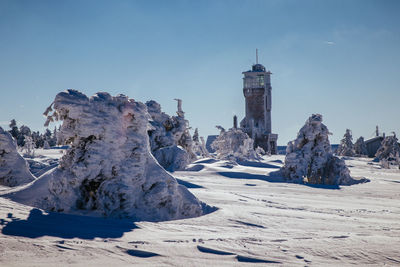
{"x": 259, "y": 221}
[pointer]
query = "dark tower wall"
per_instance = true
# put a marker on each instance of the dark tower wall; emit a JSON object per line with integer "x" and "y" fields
{"x": 257, "y": 123}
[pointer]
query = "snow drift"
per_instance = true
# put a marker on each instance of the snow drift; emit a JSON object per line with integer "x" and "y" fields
{"x": 309, "y": 157}
{"x": 14, "y": 169}
{"x": 108, "y": 170}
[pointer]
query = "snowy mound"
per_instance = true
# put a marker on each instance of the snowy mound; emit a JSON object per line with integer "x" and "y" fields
{"x": 309, "y": 157}
{"x": 389, "y": 152}
{"x": 234, "y": 145}
{"x": 170, "y": 135}
{"x": 108, "y": 170}
{"x": 14, "y": 169}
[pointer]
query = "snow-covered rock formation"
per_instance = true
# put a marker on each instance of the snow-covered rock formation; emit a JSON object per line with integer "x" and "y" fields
{"x": 389, "y": 152}
{"x": 14, "y": 169}
{"x": 360, "y": 148}
{"x": 233, "y": 145}
{"x": 170, "y": 140}
{"x": 309, "y": 157}
{"x": 108, "y": 170}
{"x": 346, "y": 147}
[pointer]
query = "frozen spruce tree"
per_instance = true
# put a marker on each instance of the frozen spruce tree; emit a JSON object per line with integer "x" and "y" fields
{"x": 199, "y": 146}
{"x": 108, "y": 169}
{"x": 389, "y": 152}
{"x": 170, "y": 140}
{"x": 14, "y": 169}
{"x": 360, "y": 148}
{"x": 346, "y": 147}
{"x": 29, "y": 147}
{"x": 234, "y": 145}
{"x": 309, "y": 157}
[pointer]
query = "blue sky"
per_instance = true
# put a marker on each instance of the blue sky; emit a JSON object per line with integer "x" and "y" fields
{"x": 337, "y": 58}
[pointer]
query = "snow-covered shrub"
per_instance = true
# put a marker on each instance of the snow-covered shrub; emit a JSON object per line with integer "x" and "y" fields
{"x": 346, "y": 147}
{"x": 234, "y": 144}
{"x": 108, "y": 169}
{"x": 360, "y": 148}
{"x": 172, "y": 135}
{"x": 309, "y": 157}
{"x": 14, "y": 169}
{"x": 389, "y": 152}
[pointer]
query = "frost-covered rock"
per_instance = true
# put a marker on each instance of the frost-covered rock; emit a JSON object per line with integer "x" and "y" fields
{"x": 346, "y": 147}
{"x": 309, "y": 157}
{"x": 108, "y": 169}
{"x": 360, "y": 148}
{"x": 389, "y": 152}
{"x": 170, "y": 132}
{"x": 14, "y": 169}
{"x": 234, "y": 144}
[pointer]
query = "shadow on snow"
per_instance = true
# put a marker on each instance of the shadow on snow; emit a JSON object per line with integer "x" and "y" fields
{"x": 273, "y": 177}
{"x": 65, "y": 226}
{"x": 256, "y": 164}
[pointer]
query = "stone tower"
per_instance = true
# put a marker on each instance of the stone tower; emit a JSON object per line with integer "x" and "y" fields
{"x": 257, "y": 123}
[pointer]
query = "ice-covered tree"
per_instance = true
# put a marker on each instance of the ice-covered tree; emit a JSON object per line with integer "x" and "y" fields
{"x": 14, "y": 128}
{"x": 108, "y": 169}
{"x": 29, "y": 147}
{"x": 309, "y": 157}
{"x": 199, "y": 146}
{"x": 389, "y": 152}
{"x": 346, "y": 147}
{"x": 196, "y": 135}
{"x": 360, "y": 148}
{"x": 14, "y": 169}
{"x": 234, "y": 144}
{"x": 46, "y": 145}
{"x": 170, "y": 140}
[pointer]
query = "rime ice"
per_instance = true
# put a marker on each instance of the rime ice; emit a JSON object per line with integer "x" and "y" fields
{"x": 170, "y": 140}
{"x": 234, "y": 144}
{"x": 108, "y": 169}
{"x": 360, "y": 148}
{"x": 389, "y": 152}
{"x": 14, "y": 169}
{"x": 309, "y": 157}
{"x": 346, "y": 147}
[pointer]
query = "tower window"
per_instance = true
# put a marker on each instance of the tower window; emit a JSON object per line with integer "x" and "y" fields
{"x": 260, "y": 80}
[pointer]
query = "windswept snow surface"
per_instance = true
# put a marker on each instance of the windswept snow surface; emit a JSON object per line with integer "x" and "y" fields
{"x": 260, "y": 221}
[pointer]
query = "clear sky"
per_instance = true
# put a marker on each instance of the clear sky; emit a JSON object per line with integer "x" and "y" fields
{"x": 337, "y": 58}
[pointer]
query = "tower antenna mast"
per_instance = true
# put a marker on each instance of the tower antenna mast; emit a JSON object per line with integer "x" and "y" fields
{"x": 256, "y": 56}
